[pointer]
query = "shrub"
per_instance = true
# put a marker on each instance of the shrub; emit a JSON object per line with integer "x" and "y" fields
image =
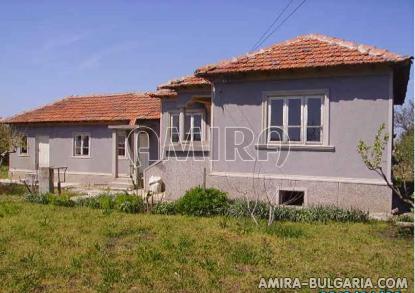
{"x": 129, "y": 203}
{"x": 37, "y": 198}
{"x": 239, "y": 208}
{"x": 50, "y": 198}
{"x": 165, "y": 208}
{"x": 405, "y": 218}
{"x": 60, "y": 200}
{"x": 203, "y": 202}
{"x": 106, "y": 201}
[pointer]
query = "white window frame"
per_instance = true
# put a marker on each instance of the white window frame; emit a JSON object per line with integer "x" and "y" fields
{"x": 193, "y": 113}
{"x": 82, "y": 134}
{"x": 24, "y": 154}
{"x": 169, "y": 133}
{"x": 182, "y": 135}
{"x": 121, "y": 133}
{"x": 304, "y": 96}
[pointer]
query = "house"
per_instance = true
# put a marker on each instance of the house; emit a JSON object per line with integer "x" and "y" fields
{"x": 95, "y": 139}
{"x": 283, "y": 124}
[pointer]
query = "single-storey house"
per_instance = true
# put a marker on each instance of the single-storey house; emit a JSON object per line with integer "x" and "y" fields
{"x": 283, "y": 123}
{"x": 94, "y": 139}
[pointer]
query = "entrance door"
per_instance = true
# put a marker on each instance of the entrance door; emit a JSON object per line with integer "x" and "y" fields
{"x": 143, "y": 149}
{"x": 43, "y": 151}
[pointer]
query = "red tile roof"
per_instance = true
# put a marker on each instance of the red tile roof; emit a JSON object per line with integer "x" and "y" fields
{"x": 185, "y": 82}
{"x": 163, "y": 93}
{"x": 125, "y": 108}
{"x": 307, "y": 51}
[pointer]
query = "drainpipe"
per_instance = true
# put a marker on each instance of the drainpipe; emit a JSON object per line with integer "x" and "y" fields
{"x": 181, "y": 125}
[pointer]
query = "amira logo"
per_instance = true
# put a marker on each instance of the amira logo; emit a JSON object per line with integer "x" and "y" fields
{"x": 279, "y": 283}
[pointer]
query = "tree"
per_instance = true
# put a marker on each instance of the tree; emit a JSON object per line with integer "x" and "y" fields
{"x": 9, "y": 140}
{"x": 372, "y": 156}
{"x": 404, "y": 118}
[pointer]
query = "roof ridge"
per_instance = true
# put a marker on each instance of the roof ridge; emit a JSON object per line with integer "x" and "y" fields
{"x": 34, "y": 109}
{"x": 362, "y": 48}
{"x": 386, "y": 55}
{"x": 93, "y": 95}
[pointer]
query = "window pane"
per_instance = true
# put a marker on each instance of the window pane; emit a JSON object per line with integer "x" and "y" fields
{"x": 121, "y": 144}
{"x": 23, "y": 145}
{"x": 276, "y": 134}
{"x": 294, "y": 111}
{"x": 313, "y": 134}
{"x": 78, "y": 141}
{"x": 174, "y": 128}
{"x": 86, "y": 141}
{"x": 187, "y": 127}
{"x": 294, "y": 133}
{"x": 314, "y": 112}
{"x": 276, "y": 112}
{"x": 197, "y": 127}
{"x": 85, "y": 148}
{"x": 78, "y": 151}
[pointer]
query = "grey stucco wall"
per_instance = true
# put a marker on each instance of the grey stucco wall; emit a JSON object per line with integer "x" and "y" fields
{"x": 61, "y": 148}
{"x": 365, "y": 197}
{"x": 358, "y": 106}
{"x": 174, "y": 104}
{"x": 98, "y": 166}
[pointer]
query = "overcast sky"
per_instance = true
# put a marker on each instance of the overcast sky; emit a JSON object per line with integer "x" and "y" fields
{"x": 52, "y": 49}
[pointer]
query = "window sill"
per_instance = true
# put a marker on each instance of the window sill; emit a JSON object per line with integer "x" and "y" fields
{"x": 23, "y": 155}
{"x": 296, "y": 147}
{"x": 81, "y": 157}
{"x": 188, "y": 146}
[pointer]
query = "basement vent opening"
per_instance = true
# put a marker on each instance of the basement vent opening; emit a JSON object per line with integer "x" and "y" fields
{"x": 290, "y": 197}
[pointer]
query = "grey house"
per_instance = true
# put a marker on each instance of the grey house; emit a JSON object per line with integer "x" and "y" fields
{"x": 94, "y": 139}
{"x": 283, "y": 122}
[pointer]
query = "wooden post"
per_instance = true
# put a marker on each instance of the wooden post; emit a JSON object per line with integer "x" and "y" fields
{"x": 114, "y": 154}
{"x": 46, "y": 180}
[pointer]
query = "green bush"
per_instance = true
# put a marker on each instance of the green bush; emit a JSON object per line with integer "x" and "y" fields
{"x": 129, "y": 203}
{"x": 50, "y": 198}
{"x": 405, "y": 218}
{"x": 121, "y": 202}
{"x": 106, "y": 202}
{"x": 60, "y": 200}
{"x": 37, "y": 198}
{"x": 203, "y": 202}
{"x": 165, "y": 208}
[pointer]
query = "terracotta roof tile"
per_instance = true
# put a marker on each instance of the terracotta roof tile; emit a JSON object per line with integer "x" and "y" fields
{"x": 125, "y": 107}
{"x": 305, "y": 51}
{"x": 185, "y": 82}
{"x": 163, "y": 93}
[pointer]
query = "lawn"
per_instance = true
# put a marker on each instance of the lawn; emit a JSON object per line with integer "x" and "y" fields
{"x": 79, "y": 249}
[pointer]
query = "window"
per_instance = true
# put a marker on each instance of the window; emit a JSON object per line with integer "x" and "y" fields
{"x": 174, "y": 127}
{"x": 81, "y": 145}
{"x": 23, "y": 150}
{"x": 295, "y": 119}
{"x": 289, "y": 197}
{"x": 193, "y": 127}
{"x": 121, "y": 144}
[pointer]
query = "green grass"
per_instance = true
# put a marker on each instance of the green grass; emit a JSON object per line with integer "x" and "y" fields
{"x": 4, "y": 172}
{"x": 52, "y": 248}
